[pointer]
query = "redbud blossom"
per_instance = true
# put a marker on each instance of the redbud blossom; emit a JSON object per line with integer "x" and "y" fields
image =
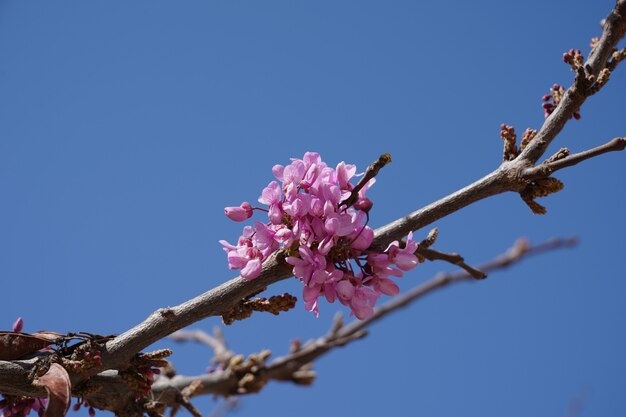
{"x": 326, "y": 242}
{"x": 18, "y": 325}
{"x": 239, "y": 214}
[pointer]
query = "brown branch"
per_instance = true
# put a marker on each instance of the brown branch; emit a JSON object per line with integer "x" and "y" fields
{"x": 453, "y": 258}
{"x": 548, "y": 167}
{"x": 283, "y": 368}
{"x": 505, "y": 178}
{"x": 575, "y": 96}
{"x": 295, "y": 367}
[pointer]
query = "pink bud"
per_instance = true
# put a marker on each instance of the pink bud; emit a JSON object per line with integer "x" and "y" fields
{"x": 364, "y": 204}
{"x": 18, "y": 325}
{"x": 239, "y": 214}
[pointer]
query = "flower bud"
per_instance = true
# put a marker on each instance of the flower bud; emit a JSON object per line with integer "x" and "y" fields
{"x": 239, "y": 214}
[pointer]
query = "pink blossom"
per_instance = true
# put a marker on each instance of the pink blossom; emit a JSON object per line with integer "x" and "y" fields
{"x": 239, "y": 214}
{"x": 18, "y": 325}
{"x": 328, "y": 244}
{"x": 271, "y": 196}
{"x": 404, "y": 258}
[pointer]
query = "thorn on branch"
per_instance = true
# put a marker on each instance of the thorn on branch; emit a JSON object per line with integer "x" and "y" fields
{"x": 244, "y": 309}
{"x": 541, "y": 187}
{"x": 370, "y": 173}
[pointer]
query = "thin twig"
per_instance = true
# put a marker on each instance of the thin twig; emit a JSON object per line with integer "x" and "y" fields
{"x": 453, "y": 258}
{"x": 542, "y": 170}
{"x": 217, "y": 342}
{"x": 370, "y": 173}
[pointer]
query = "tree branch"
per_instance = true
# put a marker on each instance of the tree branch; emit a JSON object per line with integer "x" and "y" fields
{"x": 283, "y": 368}
{"x": 548, "y": 167}
{"x": 515, "y": 175}
{"x": 510, "y": 176}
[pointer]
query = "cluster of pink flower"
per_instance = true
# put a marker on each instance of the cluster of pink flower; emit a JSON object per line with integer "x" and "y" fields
{"x": 325, "y": 240}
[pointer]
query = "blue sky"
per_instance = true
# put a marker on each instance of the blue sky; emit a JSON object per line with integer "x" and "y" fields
{"x": 126, "y": 127}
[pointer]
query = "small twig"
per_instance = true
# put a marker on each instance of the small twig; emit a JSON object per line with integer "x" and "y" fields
{"x": 184, "y": 399}
{"x": 217, "y": 342}
{"x": 356, "y": 329}
{"x": 520, "y": 250}
{"x": 370, "y": 173}
{"x": 548, "y": 167}
{"x": 453, "y": 258}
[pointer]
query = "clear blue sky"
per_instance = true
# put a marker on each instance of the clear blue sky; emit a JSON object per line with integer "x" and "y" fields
{"x": 126, "y": 127}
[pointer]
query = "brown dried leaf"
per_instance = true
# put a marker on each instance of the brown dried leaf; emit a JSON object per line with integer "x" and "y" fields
{"x": 14, "y": 345}
{"x": 57, "y": 382}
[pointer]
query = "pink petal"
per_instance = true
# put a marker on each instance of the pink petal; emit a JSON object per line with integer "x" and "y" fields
{"x": 252, "y": 269}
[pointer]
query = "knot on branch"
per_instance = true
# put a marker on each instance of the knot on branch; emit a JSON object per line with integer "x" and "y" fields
{"x": 541, "y": 187}
{"x": 244, "y": 308}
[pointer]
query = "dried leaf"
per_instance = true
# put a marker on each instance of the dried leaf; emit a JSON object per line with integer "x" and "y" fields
{"x": 57, "y": 382}
{"x": 14, "y": 345}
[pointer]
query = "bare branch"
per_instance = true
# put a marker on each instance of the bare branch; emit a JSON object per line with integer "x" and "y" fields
{"x": 548, "y": 167}
{"x": 283, "y": 368}
{"x": 506, "y": 178}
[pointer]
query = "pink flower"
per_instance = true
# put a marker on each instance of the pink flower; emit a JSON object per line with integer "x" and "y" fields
{"x": 239, "y": 214}
{"x": 18, "y": 325}
{"x": 404, "y": 258}
{"x": 327, "y": 243}
{"x": 271, "y": 196}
